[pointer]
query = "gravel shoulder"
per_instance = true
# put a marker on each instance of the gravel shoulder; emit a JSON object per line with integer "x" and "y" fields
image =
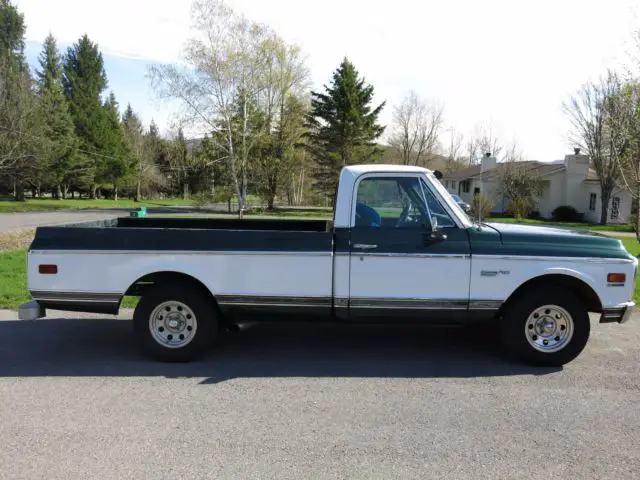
{"x": 279, "y": 401}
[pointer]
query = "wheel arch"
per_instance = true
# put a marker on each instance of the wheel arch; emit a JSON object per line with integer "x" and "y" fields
{"x": 579, "y": 286}
{"x": 149, "y": 280}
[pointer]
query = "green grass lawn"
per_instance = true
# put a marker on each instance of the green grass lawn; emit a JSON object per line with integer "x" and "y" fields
{"x": 48, "y": 204}
{"x": 633, "y": 247}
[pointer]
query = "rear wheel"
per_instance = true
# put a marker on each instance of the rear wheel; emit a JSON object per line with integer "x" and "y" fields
{"x": 174, "y": 323}
{"x": 547, "y": 327}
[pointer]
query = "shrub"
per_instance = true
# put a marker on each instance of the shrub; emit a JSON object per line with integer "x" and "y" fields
{"x": 566, "y": 213}
{"x": 520, "y": 207}
{"x": 481, "y": 204}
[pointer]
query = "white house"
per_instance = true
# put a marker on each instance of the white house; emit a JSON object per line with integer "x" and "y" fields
{"x": 570, "y": 182}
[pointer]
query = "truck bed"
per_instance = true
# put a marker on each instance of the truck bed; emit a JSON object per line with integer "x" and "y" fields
{"x": 188, "y": 234}
{"x": 263, "y": 265}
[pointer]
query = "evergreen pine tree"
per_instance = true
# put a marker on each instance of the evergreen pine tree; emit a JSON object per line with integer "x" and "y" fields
{"x": 12, "y": 30}
{"x": 84, "y": 81}
{"x": 138, "y": 145}
{"x": 180, "y": 163}
{"x": 117, "y": 161}
{"x": 343, "y": 125}
{"x": 153, "y": 129}
{"x": 60, "y": 141}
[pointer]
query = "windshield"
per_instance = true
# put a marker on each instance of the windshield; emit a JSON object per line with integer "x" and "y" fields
{"x": 451, "y": 203}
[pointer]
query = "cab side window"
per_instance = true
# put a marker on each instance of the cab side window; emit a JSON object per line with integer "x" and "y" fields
{"x": 390, "y": 202}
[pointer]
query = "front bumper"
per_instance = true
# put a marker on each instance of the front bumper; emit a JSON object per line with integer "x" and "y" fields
{"x": 620, "y": 313}
{"x": 31, "y": 311}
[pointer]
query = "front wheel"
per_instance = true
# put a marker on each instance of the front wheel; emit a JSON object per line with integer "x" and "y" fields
{"x": 546, "y": 327}
{"x": 175, "y": 324}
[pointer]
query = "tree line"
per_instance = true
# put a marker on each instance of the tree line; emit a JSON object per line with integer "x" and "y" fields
{"x": 61, "y": 130}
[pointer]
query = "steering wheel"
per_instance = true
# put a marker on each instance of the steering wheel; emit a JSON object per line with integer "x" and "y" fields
{"x": 405, "y": 217}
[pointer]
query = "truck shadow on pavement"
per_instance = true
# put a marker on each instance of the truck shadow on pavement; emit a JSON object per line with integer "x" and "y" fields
{"x": 106, "y": 347}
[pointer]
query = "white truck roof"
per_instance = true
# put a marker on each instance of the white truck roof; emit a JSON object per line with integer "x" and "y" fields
{"x": 381, "y": 167}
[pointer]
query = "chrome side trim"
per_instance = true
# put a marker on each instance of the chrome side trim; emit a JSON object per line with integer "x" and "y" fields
{"x": 76, "y": 297}
{"x": 341, "y": 302}
{"x": 179, "y": 252}
{"x": 532, "y": 258}
{"x": 408, "y": 303}
{"x": 485, "y": 304}
{"x": 272, "y": 301}
{"x": 460, "y": 256}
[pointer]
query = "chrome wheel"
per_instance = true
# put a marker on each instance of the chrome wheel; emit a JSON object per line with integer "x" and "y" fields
{"x": 173, "y": 324}
{"x": 549, "y": 328}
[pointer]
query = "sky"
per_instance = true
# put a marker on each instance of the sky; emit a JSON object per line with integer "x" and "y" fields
{"x": 508, "y": 64}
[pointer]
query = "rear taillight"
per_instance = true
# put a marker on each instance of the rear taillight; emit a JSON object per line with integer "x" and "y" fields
{"x": 48, "y": 269}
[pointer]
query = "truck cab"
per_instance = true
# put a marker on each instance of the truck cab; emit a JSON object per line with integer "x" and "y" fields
{"x": 404, "y": 245}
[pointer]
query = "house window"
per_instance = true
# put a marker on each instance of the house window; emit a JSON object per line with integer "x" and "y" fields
{"x": 465, "y": 186}
{"x": 592, "y": 202}
{"x": 615, "y": 207}
{"x": 453, "y": 184}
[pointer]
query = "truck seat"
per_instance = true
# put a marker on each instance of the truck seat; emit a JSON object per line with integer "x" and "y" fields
{"x": 367, "y": 216}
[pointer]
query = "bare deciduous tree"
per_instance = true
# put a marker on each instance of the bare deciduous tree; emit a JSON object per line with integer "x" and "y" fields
{"x": 17, "y": 110}
{"x": 624, "y": 117}
{"x": 225, "y": 62}
{"x": 518, "y": 183}
{"x": 456, "y": 141}
{"x": 587, "y": 112}
{"x": 417, "y": 125}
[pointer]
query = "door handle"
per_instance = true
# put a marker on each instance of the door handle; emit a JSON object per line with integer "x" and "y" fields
{"x": 364, "y": 246}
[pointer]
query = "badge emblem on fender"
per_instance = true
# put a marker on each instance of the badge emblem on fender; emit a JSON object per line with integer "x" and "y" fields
{"x": 493, "y": 273}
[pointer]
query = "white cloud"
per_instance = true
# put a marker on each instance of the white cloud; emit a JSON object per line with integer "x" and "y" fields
{"x": 509, "y": 62}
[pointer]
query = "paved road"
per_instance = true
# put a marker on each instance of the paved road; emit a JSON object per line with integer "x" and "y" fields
{"x": 18, "y": 221}
{"x": 78, "y": 401}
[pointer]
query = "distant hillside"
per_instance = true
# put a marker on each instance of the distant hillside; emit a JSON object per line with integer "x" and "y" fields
{"x": 438, "y": 162}
{"x": 391, "y": 156}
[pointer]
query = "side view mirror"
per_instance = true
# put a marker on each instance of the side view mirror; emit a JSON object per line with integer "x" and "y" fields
{"x": 436, "y": 233}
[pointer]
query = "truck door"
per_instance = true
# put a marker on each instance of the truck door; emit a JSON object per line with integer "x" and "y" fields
{"x": 400, "y": 266}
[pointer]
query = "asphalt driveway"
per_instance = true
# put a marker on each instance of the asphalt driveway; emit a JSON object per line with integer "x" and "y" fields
{"x": 79, "y": 401}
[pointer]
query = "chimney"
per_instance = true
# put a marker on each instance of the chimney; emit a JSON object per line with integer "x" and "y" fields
{"x": 488, "y": 162}
{"x": 576, "y": 151}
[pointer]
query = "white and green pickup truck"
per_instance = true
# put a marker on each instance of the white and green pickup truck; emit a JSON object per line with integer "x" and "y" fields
{"x": 399, "y": 249}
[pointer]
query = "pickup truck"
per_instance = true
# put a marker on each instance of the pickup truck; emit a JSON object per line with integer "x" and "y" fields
{"x": 399, "y": 249}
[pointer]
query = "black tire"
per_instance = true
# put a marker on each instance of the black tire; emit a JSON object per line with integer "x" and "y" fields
{"x": 201, "y": 331}
{"x": 515, "y": 319}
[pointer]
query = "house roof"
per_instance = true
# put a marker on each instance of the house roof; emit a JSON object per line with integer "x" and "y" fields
{"x": 539, "y": 168}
